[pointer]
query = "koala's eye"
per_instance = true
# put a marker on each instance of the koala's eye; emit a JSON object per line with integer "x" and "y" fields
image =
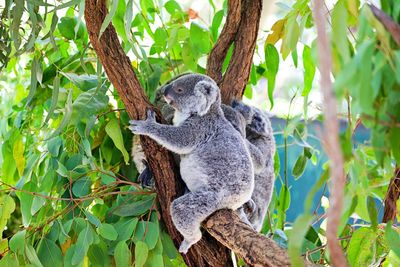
{"x": 179, "y": 90}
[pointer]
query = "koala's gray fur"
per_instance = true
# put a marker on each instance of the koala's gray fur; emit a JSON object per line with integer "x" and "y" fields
{"x": 261, "y": 145}
{"x": 215, "y": 161}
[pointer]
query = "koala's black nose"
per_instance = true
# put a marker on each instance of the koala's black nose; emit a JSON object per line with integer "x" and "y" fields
{"x": 167, "y": 89}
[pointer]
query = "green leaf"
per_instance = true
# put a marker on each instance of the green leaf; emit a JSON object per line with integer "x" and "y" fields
{"x": 141, "y": 252}
{"x": 296, "y": 238}
{"x": 54, "y": 145}
{"x": 18, "y": 155}
{"x": 128, "y": 18}
{"x": 154, "y": 259}
{"x": 7, "y": 207}
{"x": 372, "y": 212}
{"x": 109, "y": 17}
{"x": 114, "y": 132}
{"x": 107, "y": 178}
{"x": 290, "y": 37}
{"x": 359, "y": 252}
{"x": 272, "y": 62}
{"x": 393, "y": 239}
{"x": 32, "y": 256}
{"x": 107, "y": 231}
{"x": 339, "y": 31}
{"x": 168, "y": 245}
{"x": 85, "y": 239}
{"x": 133, "y": 209}
{"x": 125, "y": 228}
{"x": 84, "y": 82}
{"x": 147, "y": 232}
{"x": 172, "y": 7}
{"x": 54, "y": 98}
{"x": 16, "y": 21}
{"x": 122, "y": 255}
{"x": 67, "y": 116}
{"x": 17, "y": 242}
{"x": 98, "y": 255}
{"x": 283, "y": 205}
{"x": 299, "y": 166}
{"x": 67, "y": 26}
{"x": 92, "y": 219}
{"x": 81, "y": 187}
{"x": 199, "y": 38}
{"x": 26, "y": 202}
{"x": 37, "y": 204}
{"x": 89, "y": 103}
{"x": 395, "y": 142}
{"x": 32, "y": 90}
{"x": 67, "y": 4}
{"x": 309, "y": 70}
{"x": 50, "y": 254}
{"x": 216, "y": 23}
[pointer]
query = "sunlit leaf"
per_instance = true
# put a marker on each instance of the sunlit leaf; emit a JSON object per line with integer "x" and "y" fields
{"x": 122, "y": 255}
{"x": 114, "y": 131}
{"x": 272, "y": 62}
{"x": 108, "y": 17}
{"x": 141, "y": 252}
{"x": 309, "y": 70}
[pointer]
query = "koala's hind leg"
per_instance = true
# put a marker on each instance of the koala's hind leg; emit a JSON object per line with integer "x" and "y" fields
{"x": 188, "y": 211}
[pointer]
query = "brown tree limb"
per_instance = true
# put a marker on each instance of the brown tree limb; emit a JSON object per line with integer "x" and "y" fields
{"x": 392, "y": 195}
{"x": 238, "y": 72}
{"x": 391, "y": 26}
{"x": 218, "y": 53}
{"x": 331, "y": 138}
{"x": 121, "y": 74}
{"x": 243, "y": 34}
{"x": 256, "y": 249}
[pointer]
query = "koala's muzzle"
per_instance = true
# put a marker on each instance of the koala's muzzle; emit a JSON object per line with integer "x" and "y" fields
{"x": 167, "y": 94}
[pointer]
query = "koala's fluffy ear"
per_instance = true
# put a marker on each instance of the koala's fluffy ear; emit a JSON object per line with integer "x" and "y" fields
{"x": 209, "y": 91}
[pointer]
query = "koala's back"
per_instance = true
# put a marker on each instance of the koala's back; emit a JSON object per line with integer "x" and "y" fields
{"x": 221, "y": 162}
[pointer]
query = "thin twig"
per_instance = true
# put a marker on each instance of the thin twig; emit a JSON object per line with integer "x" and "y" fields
{"x": 331, "y": 138}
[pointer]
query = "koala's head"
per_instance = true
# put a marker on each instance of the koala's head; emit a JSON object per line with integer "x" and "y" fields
{"x": 246, "y": 111}
{"x": 191, "y": 93}
{"x": 258, "y": 124}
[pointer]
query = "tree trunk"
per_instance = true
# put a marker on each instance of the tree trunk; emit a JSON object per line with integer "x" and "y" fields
{"x": 224, "y": 225}
{"x": 392, "y": 195}
{"x": 241, "y": 30}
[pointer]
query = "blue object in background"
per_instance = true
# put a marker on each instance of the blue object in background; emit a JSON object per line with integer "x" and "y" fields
{"x": 300, "y": 188}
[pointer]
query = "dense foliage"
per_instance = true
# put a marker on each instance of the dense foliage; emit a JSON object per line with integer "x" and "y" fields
{"x": 68, "y": 192}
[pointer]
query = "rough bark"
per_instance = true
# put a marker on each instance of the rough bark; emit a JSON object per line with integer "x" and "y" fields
{"x": 392, "y": 195}
{"x": 218, "y": 53}
{"x": 331, "y": 138}
{"x": 234, "y": 81}
{"x": 391, "y": 26}
{"x": 225, "y": 226}
{"x": 121, "y": 74}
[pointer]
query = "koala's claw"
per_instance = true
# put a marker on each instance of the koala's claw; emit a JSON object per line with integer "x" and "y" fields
{"x": 184, "y": 247}
{"x": 151, "y": 115}
{"x": 137, "y": 127}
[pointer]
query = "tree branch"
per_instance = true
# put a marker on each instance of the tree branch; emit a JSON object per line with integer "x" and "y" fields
{"x": 168, "y": 186}
{"x": 391, "y": 26}
{"x": 392, "y": 195}
{"x": 225, "y": 226}
{"x": 243, "y": 34}
{"x": 331, "y": 138}
{"x": 218, "y": 53}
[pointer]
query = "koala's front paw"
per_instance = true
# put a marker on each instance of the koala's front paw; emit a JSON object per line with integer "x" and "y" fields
{"x": 142, "y": 127}
{"x": 184, "y": 247}
{"x": 138, "y": 127}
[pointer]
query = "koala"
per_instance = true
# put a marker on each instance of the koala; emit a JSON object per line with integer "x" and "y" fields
{"x": 261, "y": 144}
{"x": 215, "y": 162}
